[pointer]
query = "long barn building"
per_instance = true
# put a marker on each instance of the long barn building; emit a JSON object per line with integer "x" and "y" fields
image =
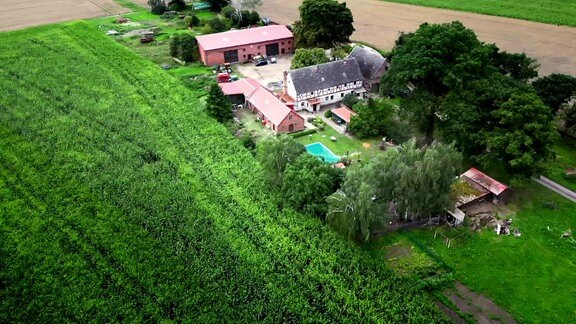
{"x": 242, "y": 45}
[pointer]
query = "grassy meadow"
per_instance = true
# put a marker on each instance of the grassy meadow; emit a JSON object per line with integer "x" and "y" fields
{"x": 531, "y": 276}
{"x": 557, "y": 12}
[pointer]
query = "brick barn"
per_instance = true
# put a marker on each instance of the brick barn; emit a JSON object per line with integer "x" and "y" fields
{"x": 272, "y": 112}
{"x": 242, "y": 45}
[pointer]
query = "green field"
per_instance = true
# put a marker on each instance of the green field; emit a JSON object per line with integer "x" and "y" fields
{"x": 121, "y": 201}
{"x": 558, "y": 12}
{"x": 531, "y": 276}
{"x": 565, "y": 151}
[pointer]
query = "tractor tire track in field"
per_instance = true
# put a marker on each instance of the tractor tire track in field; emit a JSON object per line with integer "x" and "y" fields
{"x": 379, "y": 22}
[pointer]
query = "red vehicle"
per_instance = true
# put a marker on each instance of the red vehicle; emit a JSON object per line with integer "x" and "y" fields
{"x": 224, "y": 77}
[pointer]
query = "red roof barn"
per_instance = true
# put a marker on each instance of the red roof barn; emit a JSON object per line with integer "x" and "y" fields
{"x": 273, "y": 113}
{"x": 241, "y": 45}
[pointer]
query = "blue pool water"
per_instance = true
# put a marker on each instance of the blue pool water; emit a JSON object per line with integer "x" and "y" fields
{"x": 318, "y": 149}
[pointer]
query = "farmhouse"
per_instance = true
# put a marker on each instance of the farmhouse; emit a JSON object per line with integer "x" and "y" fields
{"x": 372, "y": 66}
{"x": 313, "y": 87}
{"x": 270, "y": 110}
{"x": 241, "y": 45}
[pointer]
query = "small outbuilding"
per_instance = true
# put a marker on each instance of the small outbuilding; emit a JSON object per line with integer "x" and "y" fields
{"x": 498, "y": 192}
{"x": 342, "y": 115}
{"x": 372, "y": 66}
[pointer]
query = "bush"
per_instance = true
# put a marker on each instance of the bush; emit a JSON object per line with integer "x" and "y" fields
{"x": 177, "y": 5}
{"x": 303, "y": 133}
{"x": 157, "y": 7}
{"x": 350, "y": 100}
{"x": 328, "y": 114}
{"x": 192, "y": 21}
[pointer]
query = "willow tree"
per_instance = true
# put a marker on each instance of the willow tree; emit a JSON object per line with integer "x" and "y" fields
{"x": 406, "y": 184}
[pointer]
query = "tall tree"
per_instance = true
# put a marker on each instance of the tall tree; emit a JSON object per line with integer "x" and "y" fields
{"x": 555, "y": 89}
{"x": 243, "y": 7}
{"x": 411, "y": 183}
{"x": 306, "y": 57}
{"x": 217, "y": 5}
{"x": 323, "y": 23}
{"x": 518, "y": 66}
{"x": 568, "y": 115}
{"x": 307, "y": 183}
{"x": 184, "y": 47}
{"x": 373, "y": 118}
{"x": 435, "y": 59}
{"x": 523, "y": 136}
{"x": 274, "y": 154}
{"x": 217, "y": 105}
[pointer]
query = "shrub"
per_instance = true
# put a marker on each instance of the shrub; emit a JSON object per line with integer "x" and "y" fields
{"x": 303, "y": 133}
{"x": 157, "y": 7}
{"x": 328, "y": 114}
{"x": 177, "y": 5}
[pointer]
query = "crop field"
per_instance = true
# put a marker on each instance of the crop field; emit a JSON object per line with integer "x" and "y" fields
{"x": 120, "y": 200}
{"x": 557, "y": 12}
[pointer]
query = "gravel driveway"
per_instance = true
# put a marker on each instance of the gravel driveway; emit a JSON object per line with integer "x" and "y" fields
{"x": 271, "y": 73}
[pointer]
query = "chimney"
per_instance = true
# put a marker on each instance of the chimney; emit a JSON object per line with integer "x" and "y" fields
{"x": 285, "y": 83}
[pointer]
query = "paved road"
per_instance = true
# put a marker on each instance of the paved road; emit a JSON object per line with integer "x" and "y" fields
{"x": 379, "y": 22}
{"x": 561, "y": 190}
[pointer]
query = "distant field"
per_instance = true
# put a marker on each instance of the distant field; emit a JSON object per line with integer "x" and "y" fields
{"x": 15, "y": 14}
{"x": 558, "y": 12}
{"x": 121, "y": 201}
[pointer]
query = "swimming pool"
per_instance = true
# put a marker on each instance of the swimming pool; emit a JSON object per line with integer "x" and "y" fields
{"x": 318, "y": 149}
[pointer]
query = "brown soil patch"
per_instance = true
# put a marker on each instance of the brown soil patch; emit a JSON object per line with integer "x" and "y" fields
{"x": 366, "y": 145}
{"x": 379, "y": 22}
{"x": 482, "y": 308}
{"x": 16, "y": 14}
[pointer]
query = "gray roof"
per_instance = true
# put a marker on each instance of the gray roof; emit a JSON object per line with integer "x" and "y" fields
{"x": 322, "y": 76}
{"x": 369, "y": 60}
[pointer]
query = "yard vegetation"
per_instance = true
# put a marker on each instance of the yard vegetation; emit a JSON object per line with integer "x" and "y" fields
{"x": 558, "y": 12}
{"x": 121, "y": 200}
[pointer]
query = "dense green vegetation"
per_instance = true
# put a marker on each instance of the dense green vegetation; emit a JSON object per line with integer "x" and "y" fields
{"x": 559, "y": 12}
{"x": 120, "y": 200}
{"x": 531, "y": 276}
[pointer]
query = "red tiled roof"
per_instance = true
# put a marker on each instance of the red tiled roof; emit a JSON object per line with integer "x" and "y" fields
{"x": 270, "y": 106}
{"x": 242, "y": 86}
{"x": 485, "y": 181}
{"x": 241, "y": 37}
{"x": 344, "y": 113}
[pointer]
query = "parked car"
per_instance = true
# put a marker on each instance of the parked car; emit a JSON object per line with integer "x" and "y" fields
{"x": 261, "y": 62}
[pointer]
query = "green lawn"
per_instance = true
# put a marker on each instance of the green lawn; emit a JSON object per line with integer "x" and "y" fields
{"x": 531, "y": 276}
{"x": 565, "y": 158}
{"x": 558, "y": 12}
{"x": 343, "y": 144}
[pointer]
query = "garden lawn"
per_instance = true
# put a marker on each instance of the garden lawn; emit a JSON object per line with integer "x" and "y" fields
{"x": 565, "y": 151}
{"x": 343, "y": 144}
{"x": 531, "y": 276}
{"x": 558, "y": 12}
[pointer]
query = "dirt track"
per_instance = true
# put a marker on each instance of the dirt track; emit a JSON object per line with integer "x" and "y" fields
{"x": 16, "y": 14}
{"x": 379, "y": 23}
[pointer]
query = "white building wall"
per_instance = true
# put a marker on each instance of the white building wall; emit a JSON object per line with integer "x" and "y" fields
{"x": 326, "y": 96}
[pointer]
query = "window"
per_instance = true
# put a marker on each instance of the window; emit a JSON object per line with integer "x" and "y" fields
{"x": 282, "y": 43}
{"x": 244, "y": 56}
{"x": 331, "y": 97}
{"x": 342, "y": 95}
{"x": 289, "y": 42}
{"x": 326, "y": 98}
{"x": 258, "y": 47}
{"x": 243, "y": 50}
{"x": 290, "y": 117}
{"x": 302, "y": 104}
{"x": 258, "y": 53}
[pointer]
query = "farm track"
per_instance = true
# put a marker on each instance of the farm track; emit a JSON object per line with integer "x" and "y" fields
{"x": 379, "y": 23}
